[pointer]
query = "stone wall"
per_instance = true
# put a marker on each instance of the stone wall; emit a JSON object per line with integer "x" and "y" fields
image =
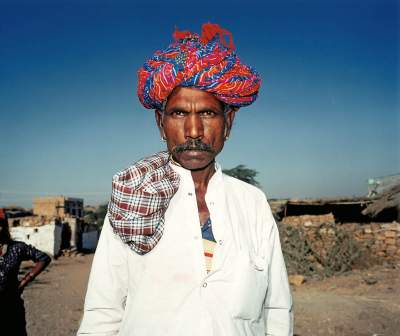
{"x": 309, "y": 220}
{"x": 382, "y": 240}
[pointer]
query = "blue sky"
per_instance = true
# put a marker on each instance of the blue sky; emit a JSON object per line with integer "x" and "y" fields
{"x": 327, "y": 117}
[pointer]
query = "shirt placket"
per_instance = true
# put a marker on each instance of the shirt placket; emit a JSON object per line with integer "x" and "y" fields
{"x": 196, "y": 229}
{"x": 215, "y": 204}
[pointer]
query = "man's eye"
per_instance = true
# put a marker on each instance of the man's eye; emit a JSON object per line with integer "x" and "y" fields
{"x": 178, "y": 114}
{"x": 208, "y": 114}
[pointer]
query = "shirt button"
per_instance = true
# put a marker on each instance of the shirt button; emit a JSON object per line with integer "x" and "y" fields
{"x": 212, "y": 203}
{"x": 204, "y": 284}
{"x": 190, "y": 194}
{"x": 220, "y": 242}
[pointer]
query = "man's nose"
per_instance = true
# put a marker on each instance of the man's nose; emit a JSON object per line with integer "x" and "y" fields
{"x": 194, "y": 126}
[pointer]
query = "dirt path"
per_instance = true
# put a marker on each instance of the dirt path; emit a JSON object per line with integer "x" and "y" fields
{"x": 340, "y": 306}
{"x": 348, "y": 305}
{"x": 54, "y": 302}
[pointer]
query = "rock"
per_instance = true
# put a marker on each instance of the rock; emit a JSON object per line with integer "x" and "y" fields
{"x": 389, "y": 265}
{"x": 363, "y": 316}
{"x": 339, "y": 330}
{"x": 390, "y": 234}
{"x": 390, "y": 241}
{"x": 331, "y": 232}
{"x": 368, "y": 236}
{"x": 308, "y": 224}
{"x": 318, "y": 266}
{"x": 391, "y": 250}
{"x": 375, "y": 227}
{"x": 370, "y": 280}
{"x": 391, "y": 226}
{"x": 296, "y": 280}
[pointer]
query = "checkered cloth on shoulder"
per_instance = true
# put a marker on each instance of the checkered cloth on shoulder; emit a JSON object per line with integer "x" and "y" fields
{"x": 139, "y": 199}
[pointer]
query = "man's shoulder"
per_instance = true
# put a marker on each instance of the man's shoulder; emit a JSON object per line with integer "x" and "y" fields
{"x": 243, "y": 189}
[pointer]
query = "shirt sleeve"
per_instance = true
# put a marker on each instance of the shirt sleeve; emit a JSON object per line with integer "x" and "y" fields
{"x": 107, "y": 287}
{"x": 32, "y": 253}
{"x": 278, "y": 314}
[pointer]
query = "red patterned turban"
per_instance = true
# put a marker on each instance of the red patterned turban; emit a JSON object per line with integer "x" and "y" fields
{"x": 207, "y": 63}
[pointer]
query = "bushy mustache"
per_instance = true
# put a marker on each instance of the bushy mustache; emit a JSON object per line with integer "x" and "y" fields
{"x": 192, "y": 144}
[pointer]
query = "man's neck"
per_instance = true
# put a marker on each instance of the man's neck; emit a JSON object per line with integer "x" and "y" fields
{"x": 201, "y": 177}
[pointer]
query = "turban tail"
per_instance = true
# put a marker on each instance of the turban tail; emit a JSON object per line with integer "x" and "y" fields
{"x": 140, "y": 197}
{"x": 208, "y": 63}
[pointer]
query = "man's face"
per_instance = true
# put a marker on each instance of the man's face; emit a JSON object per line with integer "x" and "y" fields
{"x": 195, "y": 126}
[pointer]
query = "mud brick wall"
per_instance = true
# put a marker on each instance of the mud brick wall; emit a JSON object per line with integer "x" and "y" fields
{"x": 309, "y": 220}
{"x": 382, "y": 240}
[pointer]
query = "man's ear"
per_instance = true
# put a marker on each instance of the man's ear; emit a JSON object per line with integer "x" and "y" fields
{"x": 159, "y": 120}
{"x": 229, "y": 117}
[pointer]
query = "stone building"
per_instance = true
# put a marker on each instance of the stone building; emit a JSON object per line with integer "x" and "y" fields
{"x": 58, "y": 207}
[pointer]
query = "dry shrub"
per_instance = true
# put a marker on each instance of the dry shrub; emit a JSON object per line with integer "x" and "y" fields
{"x": 318, "y": 251}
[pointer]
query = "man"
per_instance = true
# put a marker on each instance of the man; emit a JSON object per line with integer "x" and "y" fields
{"x": 185, "y": 249}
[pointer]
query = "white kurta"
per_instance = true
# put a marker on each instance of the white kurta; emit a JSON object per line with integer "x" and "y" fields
{"x": 168, "y": 292}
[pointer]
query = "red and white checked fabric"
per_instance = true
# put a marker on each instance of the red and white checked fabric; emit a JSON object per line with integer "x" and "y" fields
{"x": 140, "y": 196}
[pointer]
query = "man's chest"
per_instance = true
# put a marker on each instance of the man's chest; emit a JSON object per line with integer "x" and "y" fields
{"x": 176, "y": 267}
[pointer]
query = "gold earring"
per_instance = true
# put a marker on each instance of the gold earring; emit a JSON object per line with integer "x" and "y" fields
{"x": 226, "y": 134}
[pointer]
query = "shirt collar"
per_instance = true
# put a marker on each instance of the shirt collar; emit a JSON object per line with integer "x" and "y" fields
{"x": 186, "y": 175}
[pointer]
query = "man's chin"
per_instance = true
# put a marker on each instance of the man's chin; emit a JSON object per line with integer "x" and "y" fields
{"x": 194, "y": 159}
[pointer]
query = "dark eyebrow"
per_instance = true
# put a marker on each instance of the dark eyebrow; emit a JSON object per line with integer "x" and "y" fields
{"x": 210, "y": 109}
{"x": 176, "y": 109}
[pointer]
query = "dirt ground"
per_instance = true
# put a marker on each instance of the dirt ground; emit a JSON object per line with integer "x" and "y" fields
{"x": 54, "y": 301}
{"x": 360, "y": 303}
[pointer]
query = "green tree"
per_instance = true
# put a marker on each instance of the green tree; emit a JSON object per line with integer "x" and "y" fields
{"x": 90, "y": 217}
{"x": 243, "y": 173}
{"x": 101, "y": 212}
